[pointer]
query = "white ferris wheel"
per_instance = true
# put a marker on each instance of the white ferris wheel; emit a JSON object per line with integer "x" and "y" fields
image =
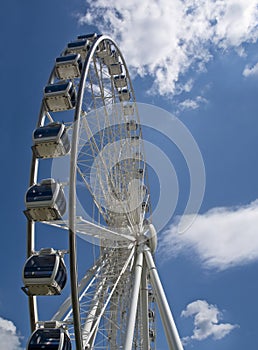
{"x": 89, "y": 120}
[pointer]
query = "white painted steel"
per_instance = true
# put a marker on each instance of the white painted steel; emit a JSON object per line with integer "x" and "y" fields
{"x": 108, "y": 308}
{"x": 172, "y": 335}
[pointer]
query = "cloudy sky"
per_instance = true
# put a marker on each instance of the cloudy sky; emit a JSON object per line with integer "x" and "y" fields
{"x": 198, "y": 60}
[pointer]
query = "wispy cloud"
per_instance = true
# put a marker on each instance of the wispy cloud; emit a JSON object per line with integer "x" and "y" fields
{"x": 191, "y": 104}
{"x": 221, "y": 238}
{"x": 9, "y": 338}
{"x": 207, "y": 323}
{"x": 164, "y": 38}
{"x": 250, "y": 70}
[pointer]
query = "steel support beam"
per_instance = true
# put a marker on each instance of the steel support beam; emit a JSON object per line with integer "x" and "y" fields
{"x": 134, "y": 302}
{"x": 145, "y": 309}
{"x": 172, "y": 335}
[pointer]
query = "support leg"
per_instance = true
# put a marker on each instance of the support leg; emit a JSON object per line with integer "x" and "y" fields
{"x": 144, "y": 309}
{"x": 172, "y": 336}
{"x": 134, "y": 303}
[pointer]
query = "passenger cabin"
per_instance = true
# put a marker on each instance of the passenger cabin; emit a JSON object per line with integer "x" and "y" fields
{"x": 80, "y": 46}
{"x": 115, "y": 69}
{"x": 131, "y": 125}
{"x": 69, "y": 66}
{"x": 145, "y": 207}
{"x": 128, "y": 109}
{"x": 120, "y": 81}
{"x": 151, "y": 315}
{"x": 45, "y": 201}
{"x": 51, "y": 141}
{"x": 44, "y": 273}
{"x": 144, "y": 190}
{"x": 91, "y": 36}
{"x": 49, "y": 338}
{"x": 135, "y": 140}
{"x": 151, "y": 296}
{"x": 112, "y": 58}
{"x": 103, "y": 49}
{"x": 60, "y": 96}
{"x": 152, "y": 335}
{"x": 138, "y": 156}
{"x": 138, "y": 174}
{"x": 124, "y": 95}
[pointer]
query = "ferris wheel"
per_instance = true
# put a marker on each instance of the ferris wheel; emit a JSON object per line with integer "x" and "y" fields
{"x": 89, "y": 132}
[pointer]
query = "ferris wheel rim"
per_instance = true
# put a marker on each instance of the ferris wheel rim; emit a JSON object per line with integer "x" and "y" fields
{"x": 72, "y": 182}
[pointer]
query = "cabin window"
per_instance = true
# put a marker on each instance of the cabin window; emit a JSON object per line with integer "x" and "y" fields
{"x": 56, "y": 88}
{"x": 47, "y": 131}
{"x": 40, "y": 267}
{"x": 41, "y": 193}
{"x": 50, "y": 339}
{"x": 67, "y": 58}
{"x": 77, "y": 44}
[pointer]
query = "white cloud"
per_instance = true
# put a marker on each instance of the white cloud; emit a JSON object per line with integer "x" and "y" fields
{"x": 9, "y": 338}
{"x": 221, "y": 238}
{"x": 192, "y": 104}
{"x": 206, "y": 321}
{"x": 164, "y": 38}
{"x": 250, "y": 70}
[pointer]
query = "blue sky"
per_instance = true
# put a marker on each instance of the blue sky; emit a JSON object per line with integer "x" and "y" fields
{"x": 199, "y": 61}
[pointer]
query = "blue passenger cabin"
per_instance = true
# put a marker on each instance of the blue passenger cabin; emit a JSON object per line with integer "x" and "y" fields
{"x": 81, "y": 47}
{"x": 54, "y": 339}
{"x": 44, "y": 273}
{"x": 91, "y": 36}
{"x": 45, "y": 201}
{"x": 60, "y": 96}
{"x": 51, "y": 141}
{"x": 68, "y": 66}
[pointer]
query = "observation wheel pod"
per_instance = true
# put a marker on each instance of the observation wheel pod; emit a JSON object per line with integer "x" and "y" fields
{"x": 81, "y": 47}
{"x": 103, "y": 49}
{"x": 49, "y": 339}
{"x": 124, "y": 95}
{"x": 111, "y": 58}
{"x": 138, "y": 156}
{"x": 131, "y": 125}
{"x": 91, "y": 36}
{"x": 115, "y": 68}
{"x": 68, "y": 66}
{"x": 128, "y": 109}
{"x": 120, "y": 81}
{"x": 151, "y": 315}
{"x": 51, "y": 141}
{"x": 145, "y": 206}
{"x": 44, "y": 273}
{"x": 152, "y": 335}
{"x": 45, "y": 201}
{"x": 60, "y": 96}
